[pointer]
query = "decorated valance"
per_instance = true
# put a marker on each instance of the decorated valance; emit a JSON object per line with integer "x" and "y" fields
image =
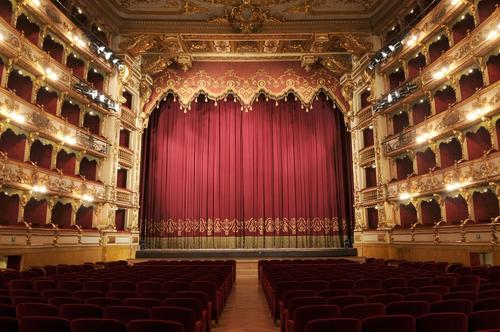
{"x": 246, "y": 81}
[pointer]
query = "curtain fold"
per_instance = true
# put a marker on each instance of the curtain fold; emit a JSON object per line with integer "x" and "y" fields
{"x": 274, "y": 177}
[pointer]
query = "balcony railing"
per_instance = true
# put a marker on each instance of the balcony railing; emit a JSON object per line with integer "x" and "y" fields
{"x": 125, "y": 157}
{"x": 366, "y": 156}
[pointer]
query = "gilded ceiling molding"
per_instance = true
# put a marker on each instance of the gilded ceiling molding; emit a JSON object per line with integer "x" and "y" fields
{"x": 246, "y": 81}
{"x": 246, "y": 18}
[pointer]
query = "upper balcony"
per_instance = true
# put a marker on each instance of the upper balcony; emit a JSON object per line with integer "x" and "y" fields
{"x": 440, "y": 125}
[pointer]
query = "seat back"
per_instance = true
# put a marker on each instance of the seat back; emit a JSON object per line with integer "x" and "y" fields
{"x": 333, "y": 324}
{"x": 50, "y": 293}
{"x": 414, "y": 308}
{"x": 154, "y": 325}
{"x": 44, "y": 324}
{"x": 308, "y": 313}
{"x": 362, "y": 311}
{"x": 97, "y": 325}
{"x": 429, "y": 297}
{"x": 458, "y": 305}
{"x": 385, "y": 298}
{"x": 125, "y": 313}
{"x": 60, "y": 300}
{"x": 9, "y": 324}
{"x": 181, "y": 315}
{"x": 484, "y": 320}
{"x": 36, "y": 309}
{"x": 443, "y": 321}
{"x": 393, "y": 323}
{"x": 103, "y": 302}
{"x": 96, "y": 285}
{"x": 342, "y": 301}
{"x": 75, "y": 311}
{"x": 143, "y": 302}
{"x": 490, "y": 303}
{"x": 298, "y": 302}
{"x": 186, "y": 302}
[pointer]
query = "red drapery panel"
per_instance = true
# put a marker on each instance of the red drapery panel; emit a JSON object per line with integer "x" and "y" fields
{"x": 275, "y": 176}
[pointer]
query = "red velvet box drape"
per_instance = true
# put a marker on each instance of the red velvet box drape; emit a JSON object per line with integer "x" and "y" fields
{"x": 276, "y": 176}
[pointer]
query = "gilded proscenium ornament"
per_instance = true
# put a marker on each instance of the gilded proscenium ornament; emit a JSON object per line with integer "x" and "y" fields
{"x": 246, "y": 18}
{"x": 155, "y": 64}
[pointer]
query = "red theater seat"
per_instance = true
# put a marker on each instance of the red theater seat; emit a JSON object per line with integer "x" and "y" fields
{"x": 483, "y": 320}
{"x": 342, "y": 301}
{"x": 305, "y": 314}
{"x": 96, "y": 285}
{"x": 152, "y": 325}
{"x": 490, "y": 303}
{"x": 181, "y": 315}
{"x": 334, "y": 325}
{"x": 76, "y": 311}
{"x": 160, "y": 295}
{"x": 459, "y": 305}
{"x": 362, "y": 311}
{"x": 429, "y": 297}
{"x": 9, "y": 324}
{"x": 50, "y": 293}
{"x": 122, "y": 294}
{"x": 103, "y": 301}
{"x": 385, "y": 298}
{"x": 414, "y": 308}
{"x": 125, "y": 313}
{"x": 44, "y": 324}
{"x": 59, "y": 301}
{"x": 393, "y": 323}
{"x": 36, "y": 309}
{"x": 143, "y": 302}
{"x": 7, "y": 310}
{"x": 97, "y": 325}
{"x": 439, "y": 322}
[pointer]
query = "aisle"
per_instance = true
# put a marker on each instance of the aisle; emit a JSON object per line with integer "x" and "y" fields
{"x": 246, "y": 310}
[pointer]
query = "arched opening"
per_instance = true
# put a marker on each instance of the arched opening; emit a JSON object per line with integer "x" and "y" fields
{"x": 470, "y": 83}
{"x": 415, "y": 65}
{"x": 41, "y": 154}
{"x": 9, "y": 205}
{"x": 88, "y": 169}
{"x": 365, "y": 95}
{"x": 368, "y": 137}
{"x": 404, "y": 167}
{"x": 128, "y": 99}
{"x": 92, "y": 122}
{"x": 6, "y": 10}
{"x": 400, "y": 121}
{"x": 493, "y": 67}
{"x": 47, "y": 99}
{"x": 372, "y": 218}
{"x": 486, "y": 8}
{"x": 29, "y": 29}
{"x": 426, "y": 161}
{"x": 478, "y": 143}
{"x": 431, "y": 212}
{"x": 450, "y": 152}
{"x": 76, "y": 65}
{"x": 437, "y": 48}
{"x": 407, "y": 215}
{"x": 71, "y": 111}
{"x": 124, "y": 138}
{"x": 35, "y": 212}
{"x": 462, "y": 28}
{"x": 456, "y": 209}
{"x": 53, "y": 48}
{"x": 96, "y": 79}
{"x": 12, "y": 144}
{"x": 61, "y": 215}
{"x": 84, "y": 217}
{"x": 20, "y": 84}
{"x": 121, "y": 178}
{"x": 66, "y": 162}
{"x": 485, "y": 206}
{"x": 420, "y": 111}
{"x": 370, "y": 177}
{"x": 120, "y": 215}
{"x": 444, "y": 98}
{"x": 396, "y": 78}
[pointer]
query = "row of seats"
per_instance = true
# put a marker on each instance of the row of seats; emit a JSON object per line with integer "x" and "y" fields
{"x": 326, "y": 318}
{"x": 359, "y": 291}
{"x": 54, "y": 324}
{"x": 191, "y": 294}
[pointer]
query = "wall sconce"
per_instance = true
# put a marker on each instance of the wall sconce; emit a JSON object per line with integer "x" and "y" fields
{"x": 440, "y": 73}
{"x": 39, "y": 188}
{"x": 88, "y": 198}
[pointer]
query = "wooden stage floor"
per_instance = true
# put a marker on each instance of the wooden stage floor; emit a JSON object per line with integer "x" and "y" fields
{"x": 246, "y": 253}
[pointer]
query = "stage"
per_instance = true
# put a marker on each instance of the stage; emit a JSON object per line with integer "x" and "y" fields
{"x": 247, "y": 253}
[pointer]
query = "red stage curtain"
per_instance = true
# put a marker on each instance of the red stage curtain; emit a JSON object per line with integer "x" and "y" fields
{"x": 218, "y": 177}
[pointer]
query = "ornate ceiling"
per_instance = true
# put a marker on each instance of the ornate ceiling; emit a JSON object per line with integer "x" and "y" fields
{"x": 176, "y": 33}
